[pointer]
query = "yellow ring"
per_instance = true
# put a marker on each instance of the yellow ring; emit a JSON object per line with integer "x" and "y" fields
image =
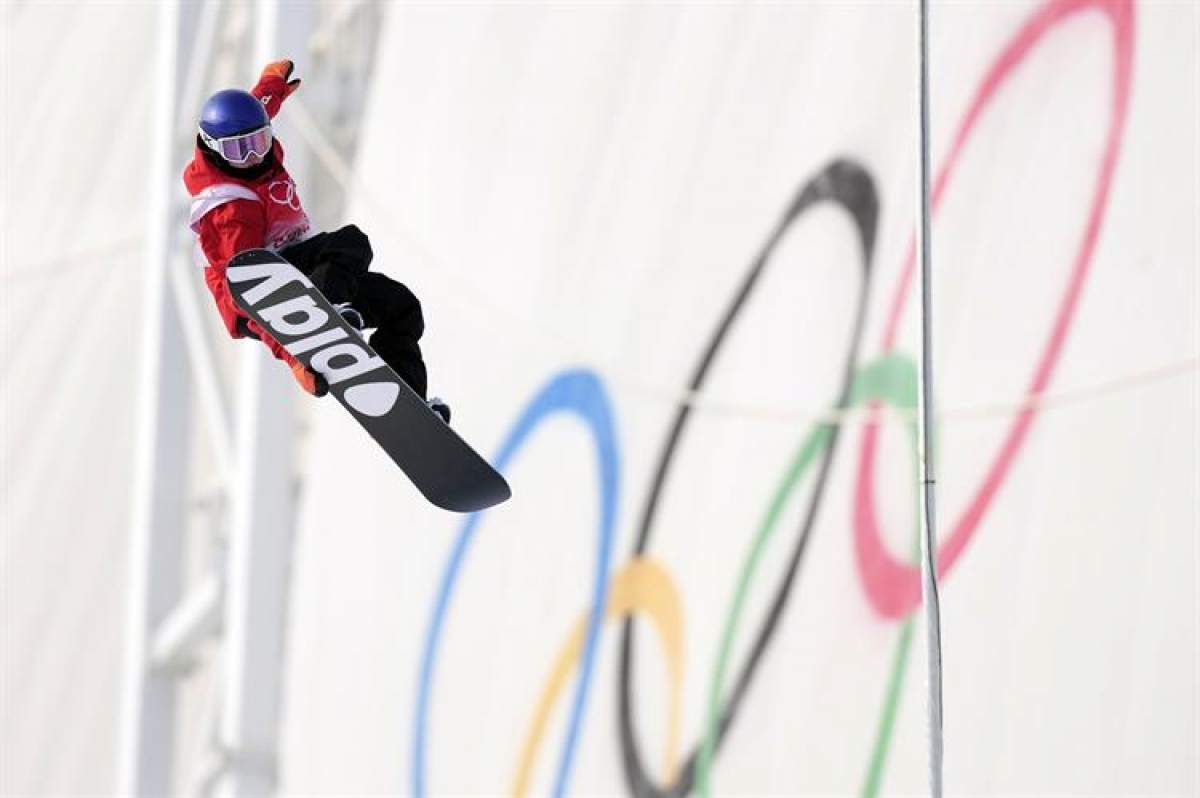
{"x": 641, "y": 586}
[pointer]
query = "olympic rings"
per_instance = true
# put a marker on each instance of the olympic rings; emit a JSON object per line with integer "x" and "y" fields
{"x": 892, "y": 587}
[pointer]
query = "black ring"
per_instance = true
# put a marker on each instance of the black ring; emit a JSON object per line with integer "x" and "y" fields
{"x": 845, "y": 183}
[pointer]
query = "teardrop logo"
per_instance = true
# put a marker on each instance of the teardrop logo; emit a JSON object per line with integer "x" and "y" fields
{"x": 372, "y": 398}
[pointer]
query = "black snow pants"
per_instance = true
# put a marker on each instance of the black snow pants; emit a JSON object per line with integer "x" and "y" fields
{"x": 337, "y": 264}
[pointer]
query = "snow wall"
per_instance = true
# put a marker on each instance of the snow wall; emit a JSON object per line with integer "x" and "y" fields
{"x": 603, "y": 205}
{"x": 76, "y": 108}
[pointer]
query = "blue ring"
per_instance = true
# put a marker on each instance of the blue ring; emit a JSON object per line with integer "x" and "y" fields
{"x": 579, "y": 391}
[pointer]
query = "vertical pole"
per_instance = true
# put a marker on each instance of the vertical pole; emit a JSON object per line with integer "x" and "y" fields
{"x": 263, "y": 512}
{"x": 147, "y": 734}
{"x": 926, "y": 438}
{"x": 260, "y": 541}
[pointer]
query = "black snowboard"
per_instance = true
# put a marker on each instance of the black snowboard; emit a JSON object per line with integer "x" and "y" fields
{"x": 287, "y": 305}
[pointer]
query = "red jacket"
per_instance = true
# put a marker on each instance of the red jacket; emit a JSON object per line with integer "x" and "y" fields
{"x": 230, "y": 214}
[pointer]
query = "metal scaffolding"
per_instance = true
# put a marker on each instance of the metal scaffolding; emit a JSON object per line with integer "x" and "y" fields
{"x": 242, "y": 600}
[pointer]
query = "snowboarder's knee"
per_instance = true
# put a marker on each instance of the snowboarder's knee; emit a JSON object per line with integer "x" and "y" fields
{"x": 352, "y": 239}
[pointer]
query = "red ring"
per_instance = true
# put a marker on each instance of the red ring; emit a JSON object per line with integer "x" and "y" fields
{"x": 894, "y": 587}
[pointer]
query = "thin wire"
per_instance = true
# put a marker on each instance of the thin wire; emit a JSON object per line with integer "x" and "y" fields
{"x": 929, "y": 593}
{"x": 953, "y": 414}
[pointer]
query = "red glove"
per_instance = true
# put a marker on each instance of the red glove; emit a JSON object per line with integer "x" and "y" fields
{"x": 273, "y": 86}
{"x": 281, "y": 71}
{"x": 310, "y": 381}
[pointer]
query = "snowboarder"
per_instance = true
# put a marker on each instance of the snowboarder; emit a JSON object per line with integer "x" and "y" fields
{"x": 243, "y": 198}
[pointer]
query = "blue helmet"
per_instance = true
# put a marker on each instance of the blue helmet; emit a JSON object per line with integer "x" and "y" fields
{"x": 232, "y": 112}
{"x": 234, "y": 124}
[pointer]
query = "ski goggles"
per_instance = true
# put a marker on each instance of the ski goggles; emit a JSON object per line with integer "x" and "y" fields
{"x": 239, "y": 149}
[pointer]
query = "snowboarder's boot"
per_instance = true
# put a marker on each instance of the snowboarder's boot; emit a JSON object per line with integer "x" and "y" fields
{"x": 352, "y": 317}
{"x": 439, "y": 406}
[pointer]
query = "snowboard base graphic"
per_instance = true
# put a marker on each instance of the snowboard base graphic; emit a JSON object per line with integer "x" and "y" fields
{"x": 447, "y": 471}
